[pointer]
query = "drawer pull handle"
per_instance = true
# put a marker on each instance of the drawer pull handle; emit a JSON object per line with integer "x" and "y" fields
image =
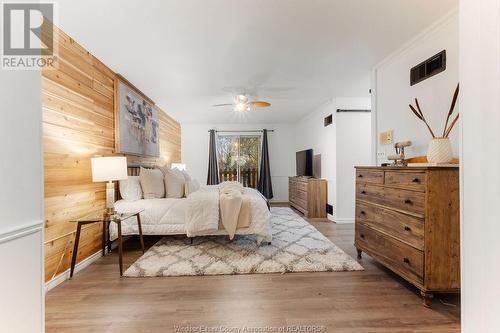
{"x": 408, "y": 202}
{"x": 407, "y": 228}
{"x": 363, "y": 212}
{"x": 406, "y": 261}
{"x": 360, "y": 176}
{"x": 362, "y": 236}
{"x": 416, "y": 180}
{"x": 363, "y": 192}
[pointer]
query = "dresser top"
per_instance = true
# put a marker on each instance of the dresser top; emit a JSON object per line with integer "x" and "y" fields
{"x": 409, "y": 168}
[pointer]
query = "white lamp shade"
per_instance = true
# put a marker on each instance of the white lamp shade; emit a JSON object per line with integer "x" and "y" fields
{"x": 180, "y": 166}
{"x": 111, "y": 168}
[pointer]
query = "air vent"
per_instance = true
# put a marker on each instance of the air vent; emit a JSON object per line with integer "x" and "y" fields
{"x": 428, "y": 68}
{"x": 328, "y": 120}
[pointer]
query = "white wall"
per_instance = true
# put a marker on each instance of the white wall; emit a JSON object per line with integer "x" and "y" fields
{"x": 353, "y": 148}
{"x": 281, "y": 152}
{"x": 21, "y": 200}
{"x": 311, "y": 133}
{"x": 480, "y": 159}
{"x": 392, "y": 91}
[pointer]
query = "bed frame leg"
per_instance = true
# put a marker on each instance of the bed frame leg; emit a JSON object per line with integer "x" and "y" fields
{"x": 268, "y": 243}
{"x": 191, "y": 240}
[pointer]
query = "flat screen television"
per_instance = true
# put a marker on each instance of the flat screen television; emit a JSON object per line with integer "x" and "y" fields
{"x": 304, "y": 163}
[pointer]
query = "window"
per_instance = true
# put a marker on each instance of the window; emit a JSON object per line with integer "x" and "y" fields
{"x": 238, "y": 158}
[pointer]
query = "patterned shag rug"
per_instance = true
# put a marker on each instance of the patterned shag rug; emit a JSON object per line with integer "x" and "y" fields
{"x": 296, "y": 247}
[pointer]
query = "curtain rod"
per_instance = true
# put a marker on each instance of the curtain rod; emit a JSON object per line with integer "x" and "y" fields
{"x": 247, "y": 131}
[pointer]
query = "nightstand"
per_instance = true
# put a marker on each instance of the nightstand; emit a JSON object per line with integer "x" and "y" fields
{"x": 100, "y": 217}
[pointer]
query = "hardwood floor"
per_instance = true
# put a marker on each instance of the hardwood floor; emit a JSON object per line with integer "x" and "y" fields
{"x": 374, "y": 300}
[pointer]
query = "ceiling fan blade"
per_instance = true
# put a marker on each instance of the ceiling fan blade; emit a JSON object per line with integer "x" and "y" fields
{"x": 260, "y": 104}
{"x": 217, "y": 105}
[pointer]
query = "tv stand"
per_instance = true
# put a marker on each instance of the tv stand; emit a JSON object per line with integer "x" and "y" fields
{"x": 308, "y": 195}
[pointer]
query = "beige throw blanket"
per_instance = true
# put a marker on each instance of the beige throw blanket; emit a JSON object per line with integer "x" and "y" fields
{"x": 234, "y": 207}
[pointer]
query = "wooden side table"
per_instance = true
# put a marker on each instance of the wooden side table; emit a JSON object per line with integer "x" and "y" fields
{"x": 105, "y": 220}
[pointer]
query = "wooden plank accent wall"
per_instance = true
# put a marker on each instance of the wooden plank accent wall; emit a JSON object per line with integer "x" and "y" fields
{"x": 78, "y": 123}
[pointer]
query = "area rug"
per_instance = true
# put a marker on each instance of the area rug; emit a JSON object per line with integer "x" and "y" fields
{"x": 296, "y": 247}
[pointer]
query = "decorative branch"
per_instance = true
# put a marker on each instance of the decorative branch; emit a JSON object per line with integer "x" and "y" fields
{"x": 415, "y": 112}
{"x": 420, "y": 115}
{"x": 451, "y": 126}
{"x": 447, "y": 129}
{"x": 452, "y": 108}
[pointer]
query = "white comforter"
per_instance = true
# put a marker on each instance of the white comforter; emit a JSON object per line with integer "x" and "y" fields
{"x": 169, "y": 216}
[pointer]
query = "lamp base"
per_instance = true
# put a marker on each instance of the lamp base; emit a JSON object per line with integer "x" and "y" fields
{"x": 110, "y": 198}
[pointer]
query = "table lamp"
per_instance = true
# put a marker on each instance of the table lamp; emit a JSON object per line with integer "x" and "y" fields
{"x": 109, "y": 169}
{"x": 180, "y": 166}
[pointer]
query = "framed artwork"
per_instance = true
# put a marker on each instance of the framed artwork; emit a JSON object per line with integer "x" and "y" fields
{"x": 137, "y": 129}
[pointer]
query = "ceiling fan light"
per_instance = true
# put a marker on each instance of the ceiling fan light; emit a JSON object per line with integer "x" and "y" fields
{"x": 241, "y": 99}
{"x": 240, "y": 107}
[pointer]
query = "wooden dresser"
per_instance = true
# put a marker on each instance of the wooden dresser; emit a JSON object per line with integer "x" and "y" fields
{"x": 308, "y": 195}
{"x": 407, "y": 218}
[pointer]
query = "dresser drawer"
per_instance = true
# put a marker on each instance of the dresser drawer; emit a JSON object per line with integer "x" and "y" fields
{"x": 409, "y": 201}
{"x": 406, "y": 228}
{"x": 410, "y": 180}
{"x": 370, "y": 176}
{"x": 300, "y": 194}
{"x": 299, "y": 202}
{"x": 301, "y": 185}
{"x": 397, "y": 255}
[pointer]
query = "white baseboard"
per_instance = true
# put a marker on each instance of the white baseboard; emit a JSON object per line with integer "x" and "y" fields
{"x": 78, "y": 267}
{"x": 344, "y": 221}
{"x": 49, "y": 285}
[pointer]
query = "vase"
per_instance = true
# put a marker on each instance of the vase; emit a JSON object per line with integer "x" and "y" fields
{"x": 439, "y": 151}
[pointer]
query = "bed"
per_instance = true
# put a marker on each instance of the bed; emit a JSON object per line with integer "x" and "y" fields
{"x": 169, "y": 216}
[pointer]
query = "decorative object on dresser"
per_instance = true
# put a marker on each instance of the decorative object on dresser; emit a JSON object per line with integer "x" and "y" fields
{"x": 439, "y": 150}
{"x": 308, "y": 195}
{"x": 399, "y": 158}
{"x": 408, "y": 220}
{"x": 109, "y": 169}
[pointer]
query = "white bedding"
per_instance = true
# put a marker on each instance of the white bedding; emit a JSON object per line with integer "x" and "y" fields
{"x": 163, "y": 216}
{"x": 167, "y": 216}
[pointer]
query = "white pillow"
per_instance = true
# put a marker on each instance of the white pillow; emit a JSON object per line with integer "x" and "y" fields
{"x": 191, "y": 186}
{"x": 186, "y": 175}
{"x": 163, "y": 169}
{"x": 152, "y": 183}
{"x": 130, "y": 188}
{"x": 174, "y": 183}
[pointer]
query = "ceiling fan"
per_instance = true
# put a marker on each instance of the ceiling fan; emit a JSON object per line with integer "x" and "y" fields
{"x": 241, "y": 103}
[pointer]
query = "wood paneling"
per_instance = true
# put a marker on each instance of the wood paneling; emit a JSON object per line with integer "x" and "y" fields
{"x": 78, "y": 123}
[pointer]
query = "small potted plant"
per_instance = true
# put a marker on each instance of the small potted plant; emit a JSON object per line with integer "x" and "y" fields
{"x": 439, "y": 150}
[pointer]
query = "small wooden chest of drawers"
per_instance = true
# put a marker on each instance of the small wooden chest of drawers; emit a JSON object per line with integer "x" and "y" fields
{"x": 407, "y": 218}
{"x": 308, "y": 195}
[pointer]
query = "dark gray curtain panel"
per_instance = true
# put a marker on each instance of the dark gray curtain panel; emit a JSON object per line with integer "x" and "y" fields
{"x": 213, "y": 171}
{"x": 265, "y": 186}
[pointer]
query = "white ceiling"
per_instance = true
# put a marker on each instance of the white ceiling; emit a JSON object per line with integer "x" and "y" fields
{"x": 189, "y": 54}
